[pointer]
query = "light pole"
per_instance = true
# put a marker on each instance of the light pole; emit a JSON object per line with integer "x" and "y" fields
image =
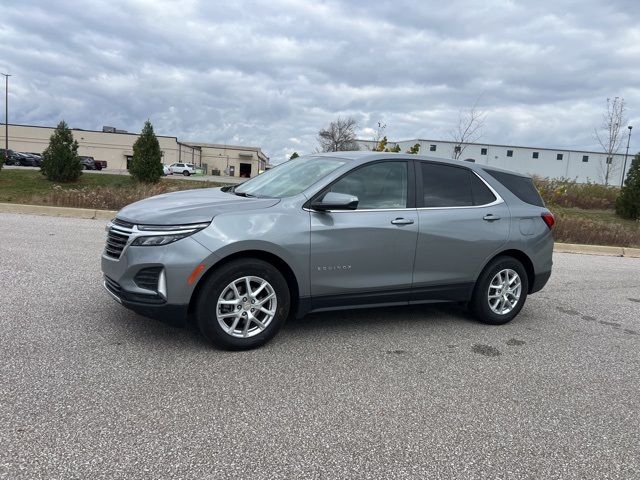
{"x": 625, "y": 157}
{"x": 6, "y": 116}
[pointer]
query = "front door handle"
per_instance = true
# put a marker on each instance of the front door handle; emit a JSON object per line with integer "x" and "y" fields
{"x": 490, "y": 217}
{"x": 402, "y": 221}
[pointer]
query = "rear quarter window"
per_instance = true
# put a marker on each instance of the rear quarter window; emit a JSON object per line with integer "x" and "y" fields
{"x": 521, "y": 187}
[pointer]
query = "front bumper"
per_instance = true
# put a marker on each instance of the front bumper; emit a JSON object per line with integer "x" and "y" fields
{"x": 155, "y": 308}
{"x": 176, "y": 260}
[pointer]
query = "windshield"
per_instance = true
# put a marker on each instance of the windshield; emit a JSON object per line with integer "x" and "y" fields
{"x": 289, "y": 178}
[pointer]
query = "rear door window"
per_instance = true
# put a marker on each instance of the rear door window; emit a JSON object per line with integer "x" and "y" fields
{"x": 445, "y": 186}
{"x": 521, "y": 187}
{"x": 481, "y": 193}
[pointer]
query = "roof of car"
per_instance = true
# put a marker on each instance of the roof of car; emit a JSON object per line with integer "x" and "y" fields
{"x": 364, "y": 155}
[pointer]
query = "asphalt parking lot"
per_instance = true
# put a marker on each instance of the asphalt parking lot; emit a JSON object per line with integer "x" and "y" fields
{"x": 91, "y": 390}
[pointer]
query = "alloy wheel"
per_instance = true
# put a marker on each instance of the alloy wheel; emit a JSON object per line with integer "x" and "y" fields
{"x": 504, "y": 291}
{"x": 246, "y": 307}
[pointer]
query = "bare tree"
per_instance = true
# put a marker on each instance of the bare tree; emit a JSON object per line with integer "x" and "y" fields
{"x": 468, "y": 130}
{"x": 379, "y": 135}
{"x": 339, "y": 136}
{"x": 609, "y": 136}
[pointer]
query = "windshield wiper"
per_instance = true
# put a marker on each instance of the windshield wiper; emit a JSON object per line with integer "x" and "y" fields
{"x": 243, "y": 194}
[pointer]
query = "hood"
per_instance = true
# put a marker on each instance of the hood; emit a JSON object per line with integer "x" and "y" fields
{"x": 189, "y": 206}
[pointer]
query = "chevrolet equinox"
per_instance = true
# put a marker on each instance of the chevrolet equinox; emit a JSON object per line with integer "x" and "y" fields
{"x": 331, "y": 231}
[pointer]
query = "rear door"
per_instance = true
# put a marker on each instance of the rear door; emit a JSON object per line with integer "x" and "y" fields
{"x": 365, "y": 256}
{"x": 463, "y": 222}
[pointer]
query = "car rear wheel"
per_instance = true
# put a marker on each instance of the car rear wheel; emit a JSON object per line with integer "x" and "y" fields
{"x": 243, "y": 304}
{"x": 186, "y": 173}
{"x": 500, "y": 291}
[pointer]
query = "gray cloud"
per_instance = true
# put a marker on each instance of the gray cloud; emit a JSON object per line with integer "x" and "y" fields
{"x": 271, "y": 73}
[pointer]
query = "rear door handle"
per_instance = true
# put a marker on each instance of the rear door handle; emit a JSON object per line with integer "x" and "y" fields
{"x": 490, "y": 217}
{"x": 402, "y": 221}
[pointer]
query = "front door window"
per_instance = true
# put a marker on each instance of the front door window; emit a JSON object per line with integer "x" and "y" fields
{"x": 378, "y": 186}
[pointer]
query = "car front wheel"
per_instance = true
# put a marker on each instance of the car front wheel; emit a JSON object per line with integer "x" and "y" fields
{"x": 243, "y": 304}
{"x": 500, "y": 291}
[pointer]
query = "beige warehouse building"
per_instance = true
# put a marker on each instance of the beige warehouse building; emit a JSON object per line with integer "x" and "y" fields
{"x": 115, "y": 147}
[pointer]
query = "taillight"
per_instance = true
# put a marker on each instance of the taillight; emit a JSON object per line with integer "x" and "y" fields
{"x": 549, "y": 219}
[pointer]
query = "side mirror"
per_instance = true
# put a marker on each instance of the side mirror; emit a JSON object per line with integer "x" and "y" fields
{"x": 335, "y": 201}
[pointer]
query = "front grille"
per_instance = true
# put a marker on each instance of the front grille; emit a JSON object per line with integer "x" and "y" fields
{"x": 147, "y": 278}
{"x": 117, "y": 238}
{"x": 122, "y": 223}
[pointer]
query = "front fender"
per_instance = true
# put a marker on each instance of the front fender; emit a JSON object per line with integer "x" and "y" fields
{"x": 284, "y": 234}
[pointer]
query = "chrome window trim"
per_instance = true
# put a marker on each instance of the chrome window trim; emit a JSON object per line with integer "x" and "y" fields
{"x": 499, "y": 200}
{"x": 399, "y": 209}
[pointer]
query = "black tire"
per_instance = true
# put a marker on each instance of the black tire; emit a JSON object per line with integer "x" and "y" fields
{"x": 206, "y": 303}
{"x": 186, "y": 173}
{"x": 479, "y": 304}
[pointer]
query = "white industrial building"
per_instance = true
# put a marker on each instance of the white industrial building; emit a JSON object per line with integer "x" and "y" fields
{"x": 582, "y": 166}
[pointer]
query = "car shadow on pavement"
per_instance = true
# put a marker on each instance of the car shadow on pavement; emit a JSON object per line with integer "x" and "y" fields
{"x": 414, "y": 315}
{"x": 134, "y": 328}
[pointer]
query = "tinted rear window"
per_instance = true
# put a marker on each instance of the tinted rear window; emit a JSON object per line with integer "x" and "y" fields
{"x": 521, "y": 187}
{"x": 481, "y": 194}
{"x": 450, "y": 186}
{"x": 445, "y": 186}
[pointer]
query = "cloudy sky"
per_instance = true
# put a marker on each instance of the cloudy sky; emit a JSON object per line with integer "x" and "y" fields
{"x": 271, "y": 73}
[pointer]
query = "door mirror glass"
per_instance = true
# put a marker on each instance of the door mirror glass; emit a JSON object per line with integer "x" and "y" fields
{"x": 336, "y": 201}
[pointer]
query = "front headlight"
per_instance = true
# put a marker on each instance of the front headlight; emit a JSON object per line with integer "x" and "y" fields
{"x": 155, "y": 235}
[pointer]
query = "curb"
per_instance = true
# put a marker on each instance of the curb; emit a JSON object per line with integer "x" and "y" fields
{"x": 87, "y": 213}
{"x": 94, "y": 214}
{"x": 588, "y": 249}
{"x": 632, "y": 252}
{"x": 597, "y": 250}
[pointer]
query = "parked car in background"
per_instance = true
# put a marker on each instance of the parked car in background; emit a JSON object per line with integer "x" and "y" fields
{"x": 328, "y": 232}
{"x": 166, "y": 169}
{"x": 10, "y": 159}
{"x": 88, "y": 163}
{"x": 26, "y": 160}
{"x": 185, "y": 169}
{"x": 37, "y": 157}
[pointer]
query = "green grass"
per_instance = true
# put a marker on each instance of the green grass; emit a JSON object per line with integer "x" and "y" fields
{"x": 20, "y": 186}
{"x": 599, "y": 216}
{"x": 594, "y": 227}
{"x": 92, "y": 190}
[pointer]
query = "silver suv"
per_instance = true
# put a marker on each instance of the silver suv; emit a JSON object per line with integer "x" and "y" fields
{"x": 332, "y": 231}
